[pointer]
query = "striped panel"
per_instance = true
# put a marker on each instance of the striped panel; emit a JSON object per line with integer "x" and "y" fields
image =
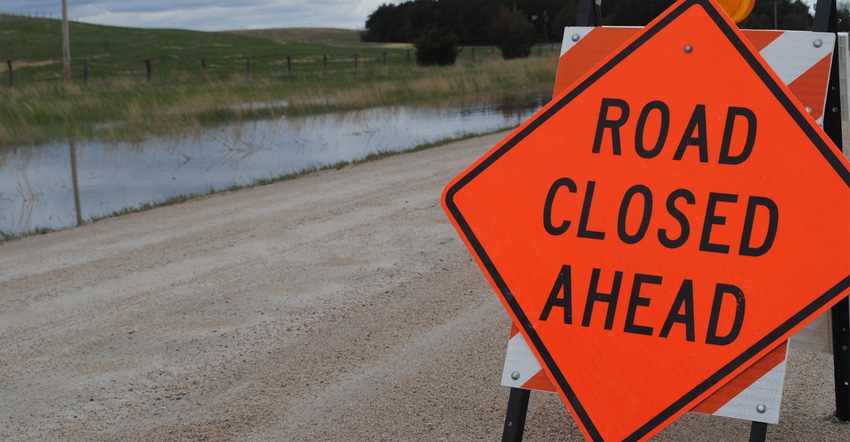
{"x": 754, "y": 395}
{"x": 800, "y": 58}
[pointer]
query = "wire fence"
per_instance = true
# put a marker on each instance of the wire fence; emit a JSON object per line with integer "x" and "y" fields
{"x": 169, "y": 68}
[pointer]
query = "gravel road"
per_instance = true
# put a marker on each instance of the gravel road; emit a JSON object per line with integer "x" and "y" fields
{"x": 338, "y": 306}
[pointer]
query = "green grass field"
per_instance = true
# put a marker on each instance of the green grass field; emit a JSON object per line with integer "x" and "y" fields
{"x": 35, "y": 47}
{"x": 119, "y": 103}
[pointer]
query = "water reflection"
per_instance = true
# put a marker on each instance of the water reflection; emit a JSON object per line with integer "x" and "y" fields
{"x": 37, "y": 186}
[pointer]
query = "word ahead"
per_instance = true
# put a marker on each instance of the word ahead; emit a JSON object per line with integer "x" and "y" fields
{"x": 681, "y": 310}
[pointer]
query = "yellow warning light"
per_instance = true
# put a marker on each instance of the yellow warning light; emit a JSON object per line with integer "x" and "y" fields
{"x": 738, "y": 10}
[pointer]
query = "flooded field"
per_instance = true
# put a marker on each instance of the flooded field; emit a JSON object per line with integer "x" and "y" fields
{"x": 38, "y": 183}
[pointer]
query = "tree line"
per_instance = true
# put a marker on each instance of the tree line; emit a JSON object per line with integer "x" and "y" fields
{"x": 481, "y": 22}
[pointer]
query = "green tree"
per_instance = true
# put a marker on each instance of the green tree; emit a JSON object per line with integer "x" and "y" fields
{"x": 779, "y": 14}
{"x": 632, "y": 12}
{"x": 782, "y": 14}
{"x": 542, "y": 14}
{"x": 513, "y": 33}
{"x": 383, "y": 24}
{"x": 565, "y": 17}
{"x": 436, "y": 47}
{"x": 472, "y": 21}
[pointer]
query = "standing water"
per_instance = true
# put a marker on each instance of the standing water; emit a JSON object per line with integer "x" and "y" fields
{"x": 37, "y": 184}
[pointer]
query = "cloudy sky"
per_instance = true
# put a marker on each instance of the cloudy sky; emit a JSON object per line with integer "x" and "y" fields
{"x": 208, "y": 15}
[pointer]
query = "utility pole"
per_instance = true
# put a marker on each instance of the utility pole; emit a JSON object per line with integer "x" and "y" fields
{"x": 66, "y": 45}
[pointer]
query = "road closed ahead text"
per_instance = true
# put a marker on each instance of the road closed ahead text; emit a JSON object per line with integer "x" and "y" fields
{"x": 713, "y": 222}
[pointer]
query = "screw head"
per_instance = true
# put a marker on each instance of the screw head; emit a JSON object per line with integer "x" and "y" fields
{"x": 515, "y": 375}
{"x": 689, "y": 49}
{"x": 576, "y": 37}
{"x": 761, "y": 408}
{"x": 817, "y": 43}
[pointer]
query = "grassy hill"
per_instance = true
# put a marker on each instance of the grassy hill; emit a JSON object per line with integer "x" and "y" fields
{"x": 34, "y": 45}
{"x": 291, "y": 71}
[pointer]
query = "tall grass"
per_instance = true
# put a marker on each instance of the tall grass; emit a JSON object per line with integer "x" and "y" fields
{"x": 119, "y": 103}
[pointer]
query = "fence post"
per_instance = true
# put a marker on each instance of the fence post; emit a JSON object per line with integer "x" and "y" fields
{"x": 325, "y": 62}
{"x": 288, "y": 65}
{"x": 86, "y": 72}
{"x": 11, "y": 77}
{"x": 204, "y": 69}
{"x": 248, "y": 66}
{"x": 148, "y": 69}
{"x": 74, "y": 181}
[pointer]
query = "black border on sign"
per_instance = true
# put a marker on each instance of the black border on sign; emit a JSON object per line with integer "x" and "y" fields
{"x": 771, "y": 338}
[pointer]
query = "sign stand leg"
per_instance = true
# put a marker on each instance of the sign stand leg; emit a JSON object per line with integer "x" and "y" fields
{"x": 758, "y": 432}
{"x": 841, "y": 355}
{"x": 515, "y": 417}
{"x": 826, "y": 20}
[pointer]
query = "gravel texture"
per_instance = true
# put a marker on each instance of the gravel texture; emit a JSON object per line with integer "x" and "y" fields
{"x": 337, "y": 306}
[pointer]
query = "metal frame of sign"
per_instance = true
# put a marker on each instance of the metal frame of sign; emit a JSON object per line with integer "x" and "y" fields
{"x": 826, "y": 20}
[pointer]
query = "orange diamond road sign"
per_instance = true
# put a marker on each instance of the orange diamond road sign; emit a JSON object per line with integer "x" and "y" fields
{"x": 662, "y": 224}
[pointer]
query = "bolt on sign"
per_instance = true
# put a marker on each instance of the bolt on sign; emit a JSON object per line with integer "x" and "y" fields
{"x": 665, "y": 222}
